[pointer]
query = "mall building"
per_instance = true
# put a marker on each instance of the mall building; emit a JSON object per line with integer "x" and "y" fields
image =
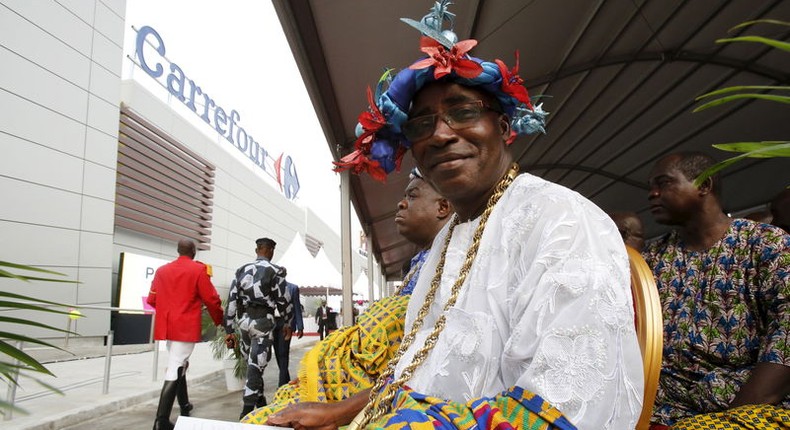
{"x": 95, "y": 167}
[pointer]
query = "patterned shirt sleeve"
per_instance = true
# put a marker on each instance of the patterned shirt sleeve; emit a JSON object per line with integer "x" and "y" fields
{"x": 774, "y": 273}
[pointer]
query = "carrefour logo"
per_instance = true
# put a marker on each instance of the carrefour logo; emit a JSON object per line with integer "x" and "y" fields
{"x": 226, "y": 124}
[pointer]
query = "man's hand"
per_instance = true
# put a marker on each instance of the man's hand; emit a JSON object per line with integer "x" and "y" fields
{"x": 305, "y": 416}
{"x": 230, "y": 341}
{"x": 320, "y": 416}
{"x": 299, "y": 334}
{"x": 287, "y": 333}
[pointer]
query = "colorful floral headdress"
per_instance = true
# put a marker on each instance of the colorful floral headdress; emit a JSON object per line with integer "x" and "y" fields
{"x": 380, "y": 143}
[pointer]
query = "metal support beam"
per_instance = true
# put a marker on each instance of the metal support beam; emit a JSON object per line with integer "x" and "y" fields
{"x": 345, "y": 247}
{"x": 370, "y": 273}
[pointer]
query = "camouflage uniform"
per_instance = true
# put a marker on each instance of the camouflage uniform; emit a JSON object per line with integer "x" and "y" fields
{"x": 258, "y": 296}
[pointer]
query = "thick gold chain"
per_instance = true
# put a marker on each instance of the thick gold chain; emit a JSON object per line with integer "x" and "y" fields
{"x": 380, "y": 400}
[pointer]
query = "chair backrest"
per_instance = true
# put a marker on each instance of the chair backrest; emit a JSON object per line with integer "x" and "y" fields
{"x": 649, "y": 329}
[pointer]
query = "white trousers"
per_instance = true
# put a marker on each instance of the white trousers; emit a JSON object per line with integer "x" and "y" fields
{"x": 177, "y": 356}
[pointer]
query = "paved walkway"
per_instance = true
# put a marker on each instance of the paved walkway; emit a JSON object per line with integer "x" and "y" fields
{"x": 133, "y": 392}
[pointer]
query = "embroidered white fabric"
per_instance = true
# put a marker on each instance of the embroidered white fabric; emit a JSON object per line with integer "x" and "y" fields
{"x": 546, "y": 306}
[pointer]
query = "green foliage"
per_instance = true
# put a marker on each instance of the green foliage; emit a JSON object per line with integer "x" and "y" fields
{"x": 780, "y": 94}
{"x": 14, "y": 362}
{"x": 216, "y": 340}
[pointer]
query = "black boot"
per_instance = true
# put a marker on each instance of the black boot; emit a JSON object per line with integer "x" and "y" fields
{"x": 166, "y": 399}
{"x": 249, "y": 408}
{"x": 261, "y": 402}
{"x": 246, "y": 410}
{"x": 182, "y": 394}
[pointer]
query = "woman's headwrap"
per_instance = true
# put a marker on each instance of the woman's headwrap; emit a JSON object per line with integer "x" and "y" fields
{"x": 380, "y": 143}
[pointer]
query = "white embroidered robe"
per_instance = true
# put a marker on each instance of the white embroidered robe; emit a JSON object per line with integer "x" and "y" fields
{"x": 547, "y": 307}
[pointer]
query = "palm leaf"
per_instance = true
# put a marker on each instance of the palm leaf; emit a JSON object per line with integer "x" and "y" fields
{"x": 775, "y": 148}
{"x": 742, "y": 88}
{"x": 29, "y": 268}
{"x": 769, "y": 97}
{"x": 22, "y": 362}
{"x": 7, "y": 274}
{"x": 759, "y": 21}
{"x": 23, "y": 357}
{"x": 23, "y": 321}
{"x": 30, "y": 307}
{"x": 29, "y": 298}
{"x": 28, "y": 339}
{"x": 757, "y": 153}
{"x": 784, "y": 46}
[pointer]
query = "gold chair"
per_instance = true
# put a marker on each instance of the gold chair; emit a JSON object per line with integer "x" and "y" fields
{"x": 649, "y": 329}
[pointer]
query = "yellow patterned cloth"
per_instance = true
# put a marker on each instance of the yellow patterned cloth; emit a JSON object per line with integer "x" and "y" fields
{"x": 346, "y": 362}
{"x": 748, "y": 417}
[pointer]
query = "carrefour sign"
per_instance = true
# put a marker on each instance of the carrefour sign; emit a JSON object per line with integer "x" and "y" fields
{"x": 153, "y": 62}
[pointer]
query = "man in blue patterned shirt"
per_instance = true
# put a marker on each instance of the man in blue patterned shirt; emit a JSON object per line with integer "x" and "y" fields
{"x": 258, "y": 297}
{"x": 724, "y": 286}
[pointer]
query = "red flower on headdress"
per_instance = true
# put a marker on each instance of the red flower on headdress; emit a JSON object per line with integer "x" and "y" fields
{"x": 359, "y": 161}
{"x": 448, "y": 61}
{"x": 512, "y": 83}
{"x": 371, "y": 120}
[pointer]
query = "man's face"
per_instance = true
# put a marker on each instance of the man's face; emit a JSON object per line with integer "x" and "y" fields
{"x": 673, "y": 197}
{"x": 266, "y": 252}
{"x": 417, "y": 211}
{"x": 460, "y": 163}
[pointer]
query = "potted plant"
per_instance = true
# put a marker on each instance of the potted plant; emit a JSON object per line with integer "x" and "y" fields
{"x": 233, "y": 361}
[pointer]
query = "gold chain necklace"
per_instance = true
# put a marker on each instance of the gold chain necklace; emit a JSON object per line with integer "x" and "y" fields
{"x": 380, "y": 399}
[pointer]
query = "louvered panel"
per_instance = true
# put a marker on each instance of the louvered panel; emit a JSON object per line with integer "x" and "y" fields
{"x": 313, "y": 244}
{"x": 144, "y": 190}
{"x": 162, "y": 234}
{"x": 166, "y": 217}
{"x": 153, "y": 150}
{"x": 163, "y": 189}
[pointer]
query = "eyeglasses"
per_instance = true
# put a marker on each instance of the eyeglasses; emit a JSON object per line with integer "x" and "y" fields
{"x": 457, "y": 117}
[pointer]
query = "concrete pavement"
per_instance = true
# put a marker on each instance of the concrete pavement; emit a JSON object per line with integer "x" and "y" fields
{"x": 133, "y": 394}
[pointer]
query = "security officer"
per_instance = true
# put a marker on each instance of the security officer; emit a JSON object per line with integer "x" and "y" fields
{"x": 258, "y": 296}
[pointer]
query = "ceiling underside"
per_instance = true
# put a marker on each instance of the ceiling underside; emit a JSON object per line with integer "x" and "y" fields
{"x": 619, "y": 78}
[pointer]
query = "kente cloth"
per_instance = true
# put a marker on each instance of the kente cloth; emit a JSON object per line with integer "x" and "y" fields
{"x": 514, "y": 408}
{"x": 546, "y": 306}
{"x": 748, "y": 417}
{"x": 725, "y": 309}
{"x": 346, "y": 362}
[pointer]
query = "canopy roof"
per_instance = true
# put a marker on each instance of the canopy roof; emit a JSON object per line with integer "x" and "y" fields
{"x": 620, "y": 78}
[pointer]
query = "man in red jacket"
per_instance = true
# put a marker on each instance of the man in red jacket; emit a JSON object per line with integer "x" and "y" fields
{"x": 178, "y": 292}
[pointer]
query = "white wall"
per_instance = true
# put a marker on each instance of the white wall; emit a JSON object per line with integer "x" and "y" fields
{"x": 59, "y": 95}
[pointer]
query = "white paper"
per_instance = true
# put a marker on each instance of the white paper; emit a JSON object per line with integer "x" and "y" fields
{"x": 192, "y": 423}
